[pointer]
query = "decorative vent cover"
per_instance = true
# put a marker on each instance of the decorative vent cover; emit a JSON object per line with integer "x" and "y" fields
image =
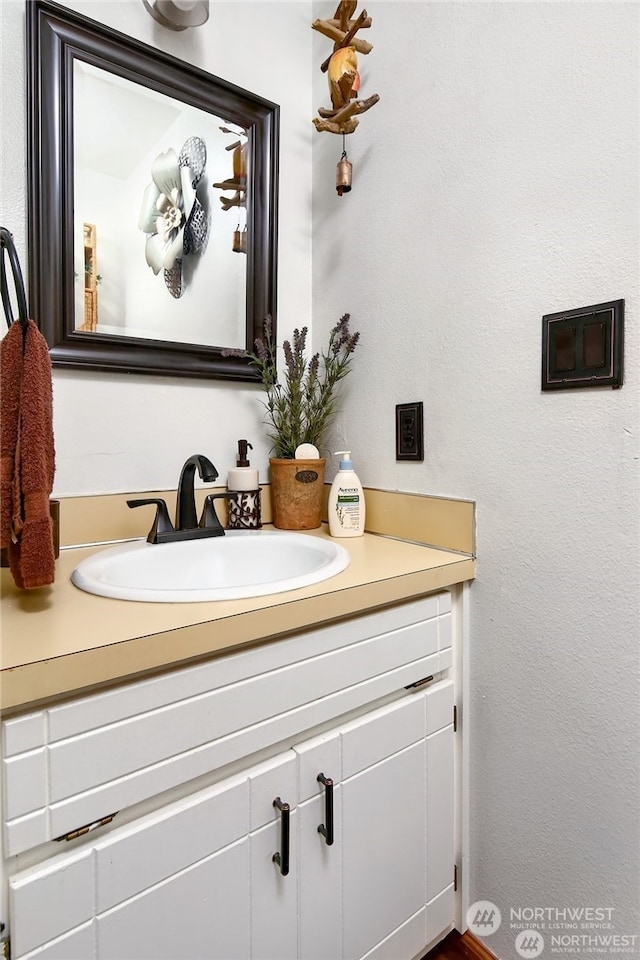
{"x": 583, "y": 347}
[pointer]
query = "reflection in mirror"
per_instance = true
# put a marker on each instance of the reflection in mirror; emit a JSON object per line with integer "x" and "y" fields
{"x": 113, "y": 162}
{"x": 152, "y": 204}
{"x": 92, "y": 278}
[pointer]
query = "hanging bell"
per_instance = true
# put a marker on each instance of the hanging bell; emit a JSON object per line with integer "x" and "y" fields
{"x": 237, "y": 240}
{"x": 343, "y": 175}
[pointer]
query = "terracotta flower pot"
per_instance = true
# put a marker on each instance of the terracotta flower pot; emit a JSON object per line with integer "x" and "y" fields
{"x": 296, "y": 493}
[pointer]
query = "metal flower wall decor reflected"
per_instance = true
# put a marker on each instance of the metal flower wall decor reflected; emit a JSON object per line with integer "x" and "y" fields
{"x": 172, "y": 216}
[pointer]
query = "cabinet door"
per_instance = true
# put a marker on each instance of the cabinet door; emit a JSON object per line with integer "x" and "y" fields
{"x": 384, "y": 888}
{"x": 320, "y": 863}
{"x": 274, "y": 894}
{"x": 274, "y": 934}
{"x": 440, "y": 810}
{"x": 384, "y": 845}
{"x": 186, "y": 881}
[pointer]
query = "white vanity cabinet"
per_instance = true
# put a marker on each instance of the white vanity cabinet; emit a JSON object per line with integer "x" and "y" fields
{"x": 339, "y": 732}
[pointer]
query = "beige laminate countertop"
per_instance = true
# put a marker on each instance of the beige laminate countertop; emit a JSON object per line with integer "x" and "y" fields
{"x": 60, "y": 640}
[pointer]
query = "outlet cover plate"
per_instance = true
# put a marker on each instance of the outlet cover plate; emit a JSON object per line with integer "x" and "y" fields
{"x": 409, "y": 432}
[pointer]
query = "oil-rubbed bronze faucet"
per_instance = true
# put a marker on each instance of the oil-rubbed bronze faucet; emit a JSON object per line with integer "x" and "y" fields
{"x": 187, "y": 526}
{"x": 186, "y": 517}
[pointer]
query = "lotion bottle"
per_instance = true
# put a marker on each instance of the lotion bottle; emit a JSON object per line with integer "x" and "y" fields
{"x": 346, "y": 500}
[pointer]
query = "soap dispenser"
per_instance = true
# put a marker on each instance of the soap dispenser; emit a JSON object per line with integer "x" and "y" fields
{"x": 244, "y": 492}
{"x": 243, "y": 476}
{"x": 346, "y": 506}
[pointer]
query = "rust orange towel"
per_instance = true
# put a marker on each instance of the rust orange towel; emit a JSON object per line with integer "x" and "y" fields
{"x": 27, "y": 456}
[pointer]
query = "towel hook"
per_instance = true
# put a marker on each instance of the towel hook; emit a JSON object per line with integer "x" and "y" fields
{"x": 6, "y": 242}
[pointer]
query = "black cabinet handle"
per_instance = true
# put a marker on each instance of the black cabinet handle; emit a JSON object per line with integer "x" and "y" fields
{"x": 282, "y": 858}
{"x": 326, "y": 828}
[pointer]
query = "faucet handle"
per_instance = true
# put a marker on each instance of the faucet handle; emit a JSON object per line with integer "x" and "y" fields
{"x": 209, "y": 518}
{"x": 162, "y": 523}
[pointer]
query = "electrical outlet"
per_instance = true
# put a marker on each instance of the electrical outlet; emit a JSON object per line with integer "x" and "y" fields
{"x": 409, "y": 432}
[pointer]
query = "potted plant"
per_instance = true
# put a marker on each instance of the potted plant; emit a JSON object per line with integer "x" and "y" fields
{"x": 300, "y": 406}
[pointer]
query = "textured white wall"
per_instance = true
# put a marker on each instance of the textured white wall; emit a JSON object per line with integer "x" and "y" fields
{"x": 116, "y": 432}
{"x": 497, "y": 180}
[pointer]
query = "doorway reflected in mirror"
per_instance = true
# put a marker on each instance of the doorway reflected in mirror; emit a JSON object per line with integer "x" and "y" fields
{"x": 91, "y": 279}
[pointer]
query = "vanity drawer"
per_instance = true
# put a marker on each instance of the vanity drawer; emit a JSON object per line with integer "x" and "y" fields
{"x": 72, "y": 764}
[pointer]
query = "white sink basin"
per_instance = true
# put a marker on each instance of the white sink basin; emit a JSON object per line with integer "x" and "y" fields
{"x": 243, "y": 563}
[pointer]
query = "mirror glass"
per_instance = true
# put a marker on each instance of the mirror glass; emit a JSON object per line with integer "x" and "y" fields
{"x": 152, "y": 204}
{"x": 116, "y": 291}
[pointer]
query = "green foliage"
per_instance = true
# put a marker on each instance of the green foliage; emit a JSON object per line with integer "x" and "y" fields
{"x": 301, "y": 406}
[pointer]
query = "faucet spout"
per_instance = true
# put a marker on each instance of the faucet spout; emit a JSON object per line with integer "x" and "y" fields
{"x": 186, "y": 516}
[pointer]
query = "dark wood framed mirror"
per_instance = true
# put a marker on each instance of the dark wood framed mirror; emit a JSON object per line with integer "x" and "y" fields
{"x": 152, "y": 205}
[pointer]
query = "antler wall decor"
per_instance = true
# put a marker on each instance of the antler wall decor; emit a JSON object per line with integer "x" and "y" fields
{"x": 341, "y": 68}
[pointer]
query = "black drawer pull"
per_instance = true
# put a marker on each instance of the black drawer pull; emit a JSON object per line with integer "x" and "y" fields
{"x": 326, "y": 828}
{"x": 282, "y": 858}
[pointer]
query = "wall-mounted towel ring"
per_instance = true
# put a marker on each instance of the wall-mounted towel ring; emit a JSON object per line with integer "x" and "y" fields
{"x": 6, "y": 243}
